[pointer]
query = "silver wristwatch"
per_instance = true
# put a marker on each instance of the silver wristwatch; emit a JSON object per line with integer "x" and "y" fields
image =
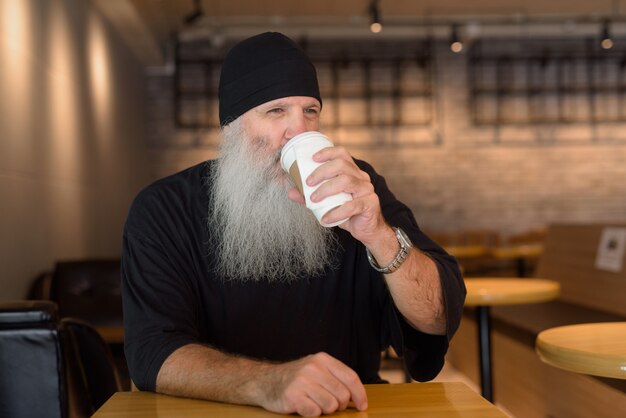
{"x": 405, "y": 247}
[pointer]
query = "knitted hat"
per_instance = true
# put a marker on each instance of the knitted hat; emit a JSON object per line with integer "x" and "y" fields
{"x": 262, "y": 68}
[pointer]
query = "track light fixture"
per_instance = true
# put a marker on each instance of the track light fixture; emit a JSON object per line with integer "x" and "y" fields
{"x": 606, "y": 42}
{"x": 456, "y": 45}
{"x": 196, "y": 14}
{"x": 376, "y": 26}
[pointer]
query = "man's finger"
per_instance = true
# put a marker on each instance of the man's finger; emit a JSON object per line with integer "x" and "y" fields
{"x": 351, "y": 381}
{"x": 307, "y": 407}
{"x": 325, "y": 399}
{"x": 338, "y": 390}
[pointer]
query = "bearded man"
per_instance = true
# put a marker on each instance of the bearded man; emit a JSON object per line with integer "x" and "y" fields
{"x": 234, "y": 292}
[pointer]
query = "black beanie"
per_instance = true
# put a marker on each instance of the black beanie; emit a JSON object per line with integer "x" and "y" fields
{"x": 262, "y": 68}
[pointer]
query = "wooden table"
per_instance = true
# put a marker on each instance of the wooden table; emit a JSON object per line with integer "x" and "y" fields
{"x": 467, "y": 251}
{"x": 485, "y": 292}
{"x": 519, "y": 253}
{"x": 598, "y": 349}
{"x": 449, "y": 399}
{"x": 112, "y": 334}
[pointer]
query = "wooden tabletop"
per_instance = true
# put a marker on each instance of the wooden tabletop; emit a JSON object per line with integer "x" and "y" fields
{"x": 467, "y": 251}
{"x": 112, "y": 334}
{"x": 517, "y": 251}
{"x": 509, "y": 291}
{"x": 598, "y": 349}
{"x": 449, "y": 399}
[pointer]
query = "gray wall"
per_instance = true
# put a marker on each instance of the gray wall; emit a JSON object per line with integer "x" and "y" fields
{"x": 71, "y": 137}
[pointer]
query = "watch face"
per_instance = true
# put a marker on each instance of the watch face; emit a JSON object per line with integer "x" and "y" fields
{"x": 402, "y": 236}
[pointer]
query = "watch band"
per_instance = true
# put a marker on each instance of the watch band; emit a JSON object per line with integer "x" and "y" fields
{"x": 405, "y": 247}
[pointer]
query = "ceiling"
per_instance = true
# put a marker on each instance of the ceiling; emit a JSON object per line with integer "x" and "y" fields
{"x": 158, "y": 20}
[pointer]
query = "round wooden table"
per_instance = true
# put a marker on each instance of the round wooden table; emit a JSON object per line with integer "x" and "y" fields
{"x": 112, "y": 334}
{"x": 486, "y": 292}
{"x": 467, "y": 251}
{"x": 597, "y": 349}
{"x": 520, "y": 253}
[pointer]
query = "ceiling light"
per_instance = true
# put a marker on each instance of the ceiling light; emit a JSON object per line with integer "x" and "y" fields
{"x": 605, "y": 39}
{"x": 376, "y": 26}
{"x": 456, "y": 45}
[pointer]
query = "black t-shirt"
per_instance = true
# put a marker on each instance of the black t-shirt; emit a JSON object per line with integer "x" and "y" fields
{"x": 172, "y": 296}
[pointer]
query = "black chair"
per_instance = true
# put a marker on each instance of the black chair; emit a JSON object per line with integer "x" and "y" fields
{"x": 93, "y": 361}
{"x": 89, "y": 290}
{"x": 32, "y": 379}
{"x": 51, "y": 368}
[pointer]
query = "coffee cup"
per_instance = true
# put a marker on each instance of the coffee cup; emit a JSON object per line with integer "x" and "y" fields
{"x": 296, "y": 159}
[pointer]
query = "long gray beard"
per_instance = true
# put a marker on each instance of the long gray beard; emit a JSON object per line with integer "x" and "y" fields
{"x": 259, "y": 233}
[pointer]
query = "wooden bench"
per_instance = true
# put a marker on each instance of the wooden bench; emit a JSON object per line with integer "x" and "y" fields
{"x": 524, "y": 385}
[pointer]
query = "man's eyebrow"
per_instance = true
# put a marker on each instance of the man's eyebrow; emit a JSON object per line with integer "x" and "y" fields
{"x": 279, "y": 103}
{"x": 267, "y": 106}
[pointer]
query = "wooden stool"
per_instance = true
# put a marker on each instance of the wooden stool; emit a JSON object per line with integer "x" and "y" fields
{"x": 597, "y": 349}
{"x": 485, "y": 292}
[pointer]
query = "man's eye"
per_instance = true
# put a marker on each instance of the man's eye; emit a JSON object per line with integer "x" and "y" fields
{"x": 275, "y": 110}
{"x": 311, "y": 111}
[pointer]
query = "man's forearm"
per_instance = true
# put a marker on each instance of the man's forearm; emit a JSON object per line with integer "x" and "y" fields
{"x": 310, "y": 386}
{"x": 416, "y": 290}
{"x": 202, "y": 372}
{"x": 415, "y": 287}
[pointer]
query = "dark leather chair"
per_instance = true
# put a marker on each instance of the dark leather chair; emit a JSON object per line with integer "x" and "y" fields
{"x": 32, "y": 379}
{"x": 92, "y": 358}
{"x": 88, "y": 290}
{"x": 51, "y": 368}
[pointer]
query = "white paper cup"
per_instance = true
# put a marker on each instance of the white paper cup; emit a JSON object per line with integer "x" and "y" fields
{"x": 296, "y": 158}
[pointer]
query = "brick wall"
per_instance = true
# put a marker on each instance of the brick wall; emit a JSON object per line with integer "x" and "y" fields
{"x": 453, "y": 174}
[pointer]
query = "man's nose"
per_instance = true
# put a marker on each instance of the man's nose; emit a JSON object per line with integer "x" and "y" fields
{"x": 297, "y": 125}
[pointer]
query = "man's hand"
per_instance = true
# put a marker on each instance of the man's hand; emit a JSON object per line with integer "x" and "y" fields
{"x": 341, "y": 174}
{"x": 311, "y": 386}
